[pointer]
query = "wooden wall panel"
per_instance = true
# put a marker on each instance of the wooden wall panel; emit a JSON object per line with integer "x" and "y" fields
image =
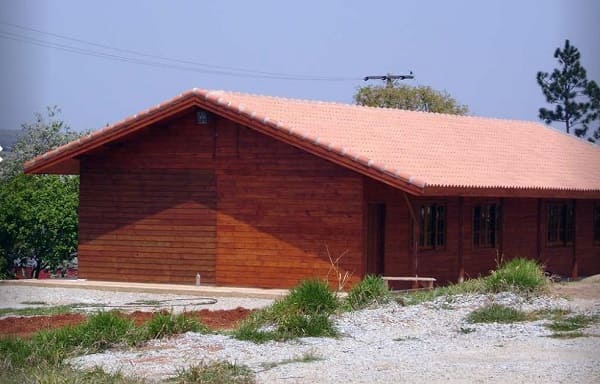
{"x": 146, "y": 225}
{"x": 519, "y": 224}
{"x": 149, "y": 209}
{"x": 588, "y": 253}
{"x": 280, "y": 209}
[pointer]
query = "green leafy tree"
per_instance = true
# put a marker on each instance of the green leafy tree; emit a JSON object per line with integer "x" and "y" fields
{"x": 567, "y": 88}
{"x": 38, "y": 219}
{"x": 38, "y": 213}
{"x": 401, "y": 96}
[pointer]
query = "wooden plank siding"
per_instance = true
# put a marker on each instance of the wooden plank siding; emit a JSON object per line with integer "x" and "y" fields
{"x": 279, "y": 210}
{"x": 220, "y": 199}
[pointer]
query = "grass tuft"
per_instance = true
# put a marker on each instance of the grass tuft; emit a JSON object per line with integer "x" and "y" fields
{"x": 471, "y": 286}
{"x": 51, "y": 347}
{"x": 40, "y": 359}
{"x": 370, "y": 290}
{"x": 497, "y": 313}
{"x": 305, "y": 311}
{"x": 312, "y": 297}
{"x": 568, "y": 335}
{"x": 215, "y": 373}
{"x": 308, "y": 357}
{"x": 99, "y": 332}
{"x": 63, "y": 375}
{"x": 571, "y": 323}
{"x": 406, "y": 338}
{"x": 517, "y": 275}
{"x": 37, "y": 311}
{"x": 166, "y": 324}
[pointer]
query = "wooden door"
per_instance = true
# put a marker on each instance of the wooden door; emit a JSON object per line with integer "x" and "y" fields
{"x": 375, "y": 238}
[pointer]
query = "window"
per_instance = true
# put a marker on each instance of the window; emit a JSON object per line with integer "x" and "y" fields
{"x": 486, "y": 225}
{"x": 597, "y": 224}
{"x": 433, "y": 226}
{"x": 559, "y": 224}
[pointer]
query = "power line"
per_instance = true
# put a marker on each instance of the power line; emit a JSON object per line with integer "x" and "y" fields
{"x": 87, "y": 52}
{"x": 150, "y": 59}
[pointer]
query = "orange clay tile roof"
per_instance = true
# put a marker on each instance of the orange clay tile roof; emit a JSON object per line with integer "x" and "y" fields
{"x": 416, "y": 151}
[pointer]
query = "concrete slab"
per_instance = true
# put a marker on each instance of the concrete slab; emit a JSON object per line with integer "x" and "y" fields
{"x": 174, "y": 289}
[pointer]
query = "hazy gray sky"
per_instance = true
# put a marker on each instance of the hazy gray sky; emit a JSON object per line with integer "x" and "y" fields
{"x": 485, "y": 53}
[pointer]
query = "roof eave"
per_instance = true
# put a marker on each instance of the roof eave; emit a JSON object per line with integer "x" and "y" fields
{"x": 507, "y": 191}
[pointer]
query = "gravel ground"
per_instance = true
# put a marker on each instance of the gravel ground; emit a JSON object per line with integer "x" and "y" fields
{"x": 12, "y": 296}
{"x": 428, "y": 343}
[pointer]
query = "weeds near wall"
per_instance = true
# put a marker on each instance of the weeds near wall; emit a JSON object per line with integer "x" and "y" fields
{"x": 335, "y": 270}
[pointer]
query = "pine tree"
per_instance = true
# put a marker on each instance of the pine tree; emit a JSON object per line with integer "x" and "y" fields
{"x": 566, "y": 89}
{"x": 593, "y": 118}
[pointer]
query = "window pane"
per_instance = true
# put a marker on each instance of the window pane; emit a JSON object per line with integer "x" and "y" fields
{"x": 476, "y": 224}
{"x": 433, "y": 226}
{"x": 485, "y": 225}
{"x": 441, "y": 225}
{"x": 560, "y": 224}
{"x": 552, "y": 224}
{"x": 569, "y": 223}
{"x": 423, "y": 226}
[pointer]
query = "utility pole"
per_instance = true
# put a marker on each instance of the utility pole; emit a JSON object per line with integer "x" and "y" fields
{"x": 389, "y": 78}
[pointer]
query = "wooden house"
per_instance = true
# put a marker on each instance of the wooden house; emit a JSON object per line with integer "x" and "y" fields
{"x": 260, "y": 191}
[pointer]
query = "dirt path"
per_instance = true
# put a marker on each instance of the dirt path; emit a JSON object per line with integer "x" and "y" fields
{"x": 584, "y": 289}
{"x": 583, "y": 295}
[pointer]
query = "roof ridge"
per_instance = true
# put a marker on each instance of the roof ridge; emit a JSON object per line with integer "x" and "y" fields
{"x": 348, "y": 105}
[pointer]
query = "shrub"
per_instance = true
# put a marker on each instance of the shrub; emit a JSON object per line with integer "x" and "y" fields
{"x": 497, "y": 313}
{"x": 370, "y": 290}
{"x": 167, "y": 324}
{"x": 518, "y": 275}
